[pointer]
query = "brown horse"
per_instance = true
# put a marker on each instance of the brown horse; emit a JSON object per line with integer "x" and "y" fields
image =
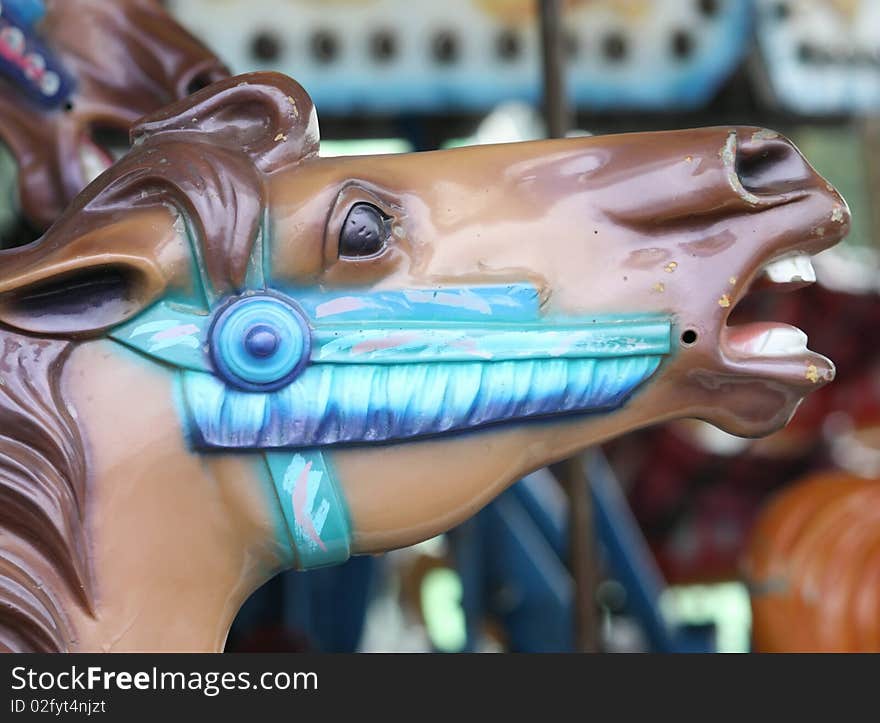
{"x": 231, "y": 356}
{"x": 126, "y": 59}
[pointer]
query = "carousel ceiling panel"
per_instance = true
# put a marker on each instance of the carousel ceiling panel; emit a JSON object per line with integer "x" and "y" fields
{"x": 398, "y": 55}
{"x": 822, "y": 57}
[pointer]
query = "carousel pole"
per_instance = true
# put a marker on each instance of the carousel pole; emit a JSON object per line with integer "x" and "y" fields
{"x": 570, "y": 472}
{"x": 556, "y": 110}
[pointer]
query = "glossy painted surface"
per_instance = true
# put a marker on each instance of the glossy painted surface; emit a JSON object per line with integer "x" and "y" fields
{"x": 313, "y": 508}
{"x": 262, "y": 373}
{"x": 224, "y": 194}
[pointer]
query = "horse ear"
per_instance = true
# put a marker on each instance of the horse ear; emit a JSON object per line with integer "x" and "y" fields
{"x": 268, "y": 116}
{"x": 79, "y": 289}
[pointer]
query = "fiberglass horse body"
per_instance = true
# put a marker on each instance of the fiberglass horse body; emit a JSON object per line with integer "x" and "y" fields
{"x": 74, "y": 76}
{"x": 231, "y": 356}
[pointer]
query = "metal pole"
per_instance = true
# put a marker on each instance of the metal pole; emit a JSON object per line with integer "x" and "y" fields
{"x": 570, "y": 472}
{"x": 556, "y": 111}
{"x": 581, "y": 552}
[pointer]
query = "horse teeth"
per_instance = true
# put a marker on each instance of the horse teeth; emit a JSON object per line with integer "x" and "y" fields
{"x": 93, "y": 163}
{"x": 789, "y": 269}
{"x": 780, "y": 341}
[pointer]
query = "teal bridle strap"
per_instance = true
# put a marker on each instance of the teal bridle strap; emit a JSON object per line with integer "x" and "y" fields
{"x": 313, "y": 507}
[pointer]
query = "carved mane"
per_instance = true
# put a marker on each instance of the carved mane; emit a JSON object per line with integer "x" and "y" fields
{"x": 206, "y": 157}
{"x": 44, "y": 561}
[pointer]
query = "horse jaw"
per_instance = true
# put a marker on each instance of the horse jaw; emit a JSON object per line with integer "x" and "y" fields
{"x": 402, "y": 494}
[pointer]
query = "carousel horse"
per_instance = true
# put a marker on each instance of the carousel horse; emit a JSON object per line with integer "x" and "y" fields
{"x": 231, "y": 356}
{"x": 74, "y": 76}
{"x": 813, "y": 567}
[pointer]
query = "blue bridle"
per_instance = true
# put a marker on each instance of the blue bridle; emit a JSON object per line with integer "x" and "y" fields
{"x": 287, "y": 372}
{"x": 27, "y": 62}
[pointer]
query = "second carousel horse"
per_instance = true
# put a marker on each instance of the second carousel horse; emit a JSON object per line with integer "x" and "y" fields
{"x": 74, "y": 76}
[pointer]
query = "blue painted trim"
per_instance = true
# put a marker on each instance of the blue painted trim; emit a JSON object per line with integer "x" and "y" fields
{"x": 478, "y": 303}
{"x": 385, "y": 366}
{"x": 168, "y": 332}
{"x": 406, "y": 344}
{"x": 360, "y": 403}
{"x": 480, "y": 323}
{"x": 259, "y": 343}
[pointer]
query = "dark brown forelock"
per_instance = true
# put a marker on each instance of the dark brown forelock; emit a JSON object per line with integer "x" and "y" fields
{"x": 208, "y": 157}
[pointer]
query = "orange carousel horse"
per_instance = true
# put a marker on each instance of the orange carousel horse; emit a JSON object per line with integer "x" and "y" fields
{"x": 813, "y": 566}
{"x": 231, "y": 356}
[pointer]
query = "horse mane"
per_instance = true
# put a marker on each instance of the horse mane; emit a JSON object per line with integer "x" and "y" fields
{"x": 44, "y": 561}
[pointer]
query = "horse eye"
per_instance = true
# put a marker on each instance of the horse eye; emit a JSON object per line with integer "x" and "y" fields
{"x": 364, "y": 232}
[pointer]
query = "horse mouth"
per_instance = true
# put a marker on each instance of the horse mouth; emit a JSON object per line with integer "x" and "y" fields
{"x": 99, "y": 147}
{"x": 771, "y": 349}
{"x": 93, "y": 160}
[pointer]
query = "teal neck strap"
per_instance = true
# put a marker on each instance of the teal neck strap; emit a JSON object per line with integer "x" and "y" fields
{"x": 313, "y": 507}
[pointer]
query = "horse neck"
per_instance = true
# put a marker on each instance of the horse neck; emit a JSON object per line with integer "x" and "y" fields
{"x": 165, "y": 579}
{"x": 177, "y": 540}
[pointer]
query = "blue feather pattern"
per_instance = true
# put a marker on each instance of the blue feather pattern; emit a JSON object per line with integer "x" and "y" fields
{"x": 332, "y": 404}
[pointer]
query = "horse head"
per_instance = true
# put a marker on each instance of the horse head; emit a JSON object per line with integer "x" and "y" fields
{"x": 74, "y": 76}
{"x": 232, "y": 356}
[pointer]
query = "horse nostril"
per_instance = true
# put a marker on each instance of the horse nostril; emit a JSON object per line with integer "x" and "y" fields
{"x": 770, "y": 166}
{"x": 196, "y": 84}
{"x": 204, "y": 78}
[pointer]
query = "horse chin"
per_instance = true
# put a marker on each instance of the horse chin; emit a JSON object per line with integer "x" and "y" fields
{"x": 756, "y": 395}
{"x": 757, "y": 409}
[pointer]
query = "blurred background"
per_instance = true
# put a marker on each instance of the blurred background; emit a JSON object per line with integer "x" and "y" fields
{"x": 675, "y": 538}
